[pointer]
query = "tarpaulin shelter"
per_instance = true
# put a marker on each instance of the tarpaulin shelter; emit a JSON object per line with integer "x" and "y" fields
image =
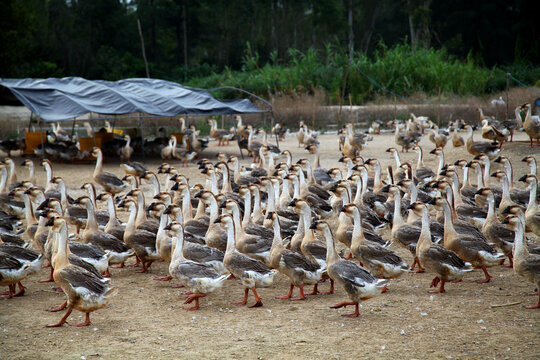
{"x": 67, "y": 98}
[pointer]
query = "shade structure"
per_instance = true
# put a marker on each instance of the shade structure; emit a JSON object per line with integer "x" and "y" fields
{"x": 56, "y": 99}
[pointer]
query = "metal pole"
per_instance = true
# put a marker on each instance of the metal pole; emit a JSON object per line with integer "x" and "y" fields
{"x": 507, "y": 86}
{"x": 93, "y": 131}
{"x": 142, "y": 139}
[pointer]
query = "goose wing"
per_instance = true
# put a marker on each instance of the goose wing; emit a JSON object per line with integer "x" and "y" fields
{"x": 82, "y": 278}
{"x": 243, "y": 263}
{"x": 202, "y": 253}
{"x": 298, "y": 261}
{"x": 108, "y": 178}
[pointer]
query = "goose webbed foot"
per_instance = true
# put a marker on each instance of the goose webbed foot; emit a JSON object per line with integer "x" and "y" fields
{"x": 302, "y": 296}
{"x": 50, "y": 279}
{"x": 63, "y": 319}
{"x": 289, "y": 294}
{"x": 190, "y": 299}
{"x": 86, "y": 321}
{"x": 244, "y": 301}
{"x": 258, "y": 300}
{"x": 434, "y": 283}
{"x": 163, "y": 278}
{"x": 58, "y": 308}
{"x": 488, "y": 277}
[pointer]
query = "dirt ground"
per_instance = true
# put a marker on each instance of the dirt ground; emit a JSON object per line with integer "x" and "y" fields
{"x": 146, "y": 319}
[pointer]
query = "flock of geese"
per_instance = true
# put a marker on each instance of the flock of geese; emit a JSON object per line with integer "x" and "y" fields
{"x": 280, "y": 216}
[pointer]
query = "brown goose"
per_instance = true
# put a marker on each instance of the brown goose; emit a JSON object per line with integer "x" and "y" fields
{"x": 110, "y": 182}
{"x": 292, "y": 264}
{"x": 525, "y": 264}
{"x": 252, "y": 273}
{"x": 445, "y": 263}
{"x": 492, "y": 150}
{"x": 471, "y": 249}
{"x": 358, "y": 283}
{"x": 86, "y": 292}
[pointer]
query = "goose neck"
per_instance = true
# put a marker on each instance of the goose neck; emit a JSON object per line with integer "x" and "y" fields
{"x": 331, "y": 253}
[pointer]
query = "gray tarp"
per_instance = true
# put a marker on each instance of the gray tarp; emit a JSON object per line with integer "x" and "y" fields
{"x": 63, "y": 99}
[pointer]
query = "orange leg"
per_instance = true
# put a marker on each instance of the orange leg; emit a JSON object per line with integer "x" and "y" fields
{"x": 137, "y": 263}
{"x": 347, "y": 303}
{"x": 420, "y": 268}
{"x": 107, "y": 273}
{"x": 302, "y": 295}
{"x": 59, "y": 308}
{"x": 434, "y": 284}
{"x": 488, "y": 277}
{"x": 11, "y": 290}
{"x": 191, "y": 298}
{"x": 315, "y": 290}
{"x": 21, "y": 289}
{"x": 145, "y": 266}
{"x": 330, "y": 291}
{"x": 289, "y": 294}
{"x": 510, "y": 260}
{"x": 537, "y": 305}
{"x": 244, "y": 301}
{"x": 63, "y": 319}
{"x": 86, "y": 321}
{"x": 349, "y": 256}
{"x": 258, "y": 300}
{"x": 50, "y": 279}
{"x": 163, "y": 278}
{"x": 119, "y": 266}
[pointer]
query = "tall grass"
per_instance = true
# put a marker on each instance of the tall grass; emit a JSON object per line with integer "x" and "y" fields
{"x": 401, "y": 70}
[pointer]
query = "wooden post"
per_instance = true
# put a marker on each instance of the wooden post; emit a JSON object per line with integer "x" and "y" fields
{"x": 507, "y": 88}
{"x": 439, "y": 109}
{"x": 142, "y": 47}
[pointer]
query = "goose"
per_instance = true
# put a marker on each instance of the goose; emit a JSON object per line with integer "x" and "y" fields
{"x": 221, "y": 135}
{"x": 380, "y": 261}
{"x": 531, "y": 161}
{"x": 357, "y": 281}
{"x": 519, "y": 196}
{"x": 438, "y": 139}
{"x": 445, "y": 263}
{"x": 151, "y": 177}
{"x": 457, "y": 140}
{"x": 167, "y": 152}
{"x": 474, "y": 250}
{"x": 256, "y": 244}
{"x": 113, "y": 226}
{"x": 196, "y": 144}
{"x": 143, "y": 242}
{"x": 318, "y": 174}
{"x": 506, "y": 199}
{"x": 406, "y": 142}
{"x": 477, "y": 148}
{"x": 134, "y": 168}
{"x": 525, "y": 264}
{"x": 531, "y": 125}
{"x": 215, "y": 236}
{"x": 203, "y": 254}
{"x": 110, "y": 182}
{"x": 467, "y": 210}
{"x": 298, "y": 268}
{"x": 10, "y": 145}
{"x": 116, "y": 250}
{"x": 102, "y": 217}
{"x": 273, "y": 149}
{"x": 16, "y": 263}
{"x": 280, "y": 131}
{"x": 301, "y": 134}
{"x": 85, "y": 291}
{"x": 142, "y": 222}
{"x": 422, "y": 172}
{"x": 199, "y": 278}
{"x": 532, "y": 214}
{"x": 126, "y": 151}
{"x": 404, "y": 234}
{"x": 495, "y": 232}
{"x": 491, "y": 132}
{"x": 251, "y": 273}
{"x": 253, "y": 146}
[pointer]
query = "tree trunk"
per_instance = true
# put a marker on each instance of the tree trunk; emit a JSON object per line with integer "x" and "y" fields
{"x": 351, "y": 31}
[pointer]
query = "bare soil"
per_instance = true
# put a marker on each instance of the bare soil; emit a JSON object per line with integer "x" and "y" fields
{"x": 146, "y": 319}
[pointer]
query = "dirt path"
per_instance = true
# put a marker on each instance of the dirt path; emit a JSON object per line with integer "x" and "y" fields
{"x": 146, "y": 320}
